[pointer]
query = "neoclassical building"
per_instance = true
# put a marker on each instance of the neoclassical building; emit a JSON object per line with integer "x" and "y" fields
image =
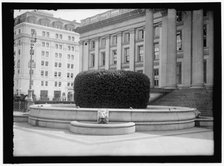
{"x": 55, "y": 55}
{"x": 173, "y": 48}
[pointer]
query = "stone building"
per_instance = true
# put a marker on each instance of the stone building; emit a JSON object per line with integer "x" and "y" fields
{"x": 174, "y": 48}
{"x": 55, "y": 59}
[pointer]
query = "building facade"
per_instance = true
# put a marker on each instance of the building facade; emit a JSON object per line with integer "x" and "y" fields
{"x": 173, "y": 48}
{"x": 53, "y": 54}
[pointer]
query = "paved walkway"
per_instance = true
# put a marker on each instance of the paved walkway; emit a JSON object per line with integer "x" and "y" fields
{"x": 38, "y": 141}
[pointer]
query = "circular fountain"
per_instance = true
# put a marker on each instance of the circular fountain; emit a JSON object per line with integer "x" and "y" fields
{"x": 118, "y": 99}
{"x": 151, "y": 118}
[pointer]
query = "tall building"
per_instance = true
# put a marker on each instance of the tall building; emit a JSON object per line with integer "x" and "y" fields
{"x": 173, "y": 48}
{"x": 53, "y": 46}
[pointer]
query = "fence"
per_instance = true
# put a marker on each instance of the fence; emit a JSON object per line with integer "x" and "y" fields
{"x": 20, "y": 106}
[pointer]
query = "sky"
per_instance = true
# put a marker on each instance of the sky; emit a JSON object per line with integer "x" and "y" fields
{"x": 69, "y": 14}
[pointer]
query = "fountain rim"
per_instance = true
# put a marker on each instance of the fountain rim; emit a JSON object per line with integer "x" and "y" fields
{"x": 150, "y": 108}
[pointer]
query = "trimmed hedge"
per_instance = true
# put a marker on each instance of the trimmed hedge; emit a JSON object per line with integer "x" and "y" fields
{"x": 111, "y": 89}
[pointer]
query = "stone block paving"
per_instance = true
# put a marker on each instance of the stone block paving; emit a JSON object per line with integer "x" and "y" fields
{"x": 38, "y": 141}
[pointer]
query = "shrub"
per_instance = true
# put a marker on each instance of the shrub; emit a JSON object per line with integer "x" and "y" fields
{"x": 111, "y": 89}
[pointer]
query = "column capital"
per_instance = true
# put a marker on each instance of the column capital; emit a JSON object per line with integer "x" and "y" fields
{"x": 164, "y": 12}
{"x": 118, "y": 33}
{"x": 132, "y": 30}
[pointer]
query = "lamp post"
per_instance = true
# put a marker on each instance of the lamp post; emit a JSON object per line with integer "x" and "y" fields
{"x": 30, "y": 91}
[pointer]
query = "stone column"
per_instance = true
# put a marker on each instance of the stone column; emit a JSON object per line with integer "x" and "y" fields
{"x": 148, "y": 45}
{"x": 107, "y": 53}
{"x": 119, "y": 51}
{"x": 210, "y": 40}
{"x": 81, "y": 56}
{"x": 86, "y": 56}
{"x": 171, "y": 50}
{"x": 186, "y": 42}
{"x": 132, "y": 50}
{"x": 163, "y": 50}
{"x": 96, "y": 54}
{"x": 197, "y": 59}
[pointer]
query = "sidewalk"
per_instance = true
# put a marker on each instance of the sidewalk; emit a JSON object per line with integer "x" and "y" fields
{"x": 37, "y": 141}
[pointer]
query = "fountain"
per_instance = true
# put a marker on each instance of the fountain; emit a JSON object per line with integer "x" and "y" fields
{"x": 100, "y": 110}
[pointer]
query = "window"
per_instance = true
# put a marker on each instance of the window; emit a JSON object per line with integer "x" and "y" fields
{"x": 156, "y": 51}
{"x": 114, "y": 40}
{"x": 69, "y": 48}
{"x": 47, "y": 53}
{"x": 156, "y": 31}
{"x": 59, "y": 74}
{"x": 19, "y": 42}
{"x": 92, "y": 45}
{"x": 56, "y": 45}
{"x": 140, "y": 71}
{"x": 126, "y": 37}
{"x": 71, "y": 84}
{"x": 103, "y": 43}
{"x": 56, "y": 55}
{"x": 48, "y": 34}
{"x": 55, "y": 64}
{"x": 72, "y": 57}
{"x": 72, "y": 66}
{"x": 55, "y": 74}
{"x": 47, "y": 44}
{"x": 92, "y": 60}
{"x": 60, "y": 36}
{"x": 55, "y": 84}
{"x": 68, "y": 65}
{"x": 73, "y": 38}
{"x": 60, "y": 47}
{"x": 43, "y": 33}
{"x": 68, "y": 75}
{"x": 179, "y": 40}
{"x": 179, "y": 73}
{"x": 205, "y": 70}
{"x": 140, "y": 52}
{"x": 156, "y": 82}
{"x": 102, "y": 58}
{"x": 72, "y": 48}
{"x": 42, "y": 73}
{"x": 179, "y": 16}
{"x": 68, "y": 56}
{"x": 140, "y": 33}
{"x": 126, "y": 55}
{"x": 46, "y": 63}
{"x": 156, "y": 72}
{"x": 19, "y": 31}
{"x": 31, "y": 71}
{"x": 46, "y": 83}
{"x": 19, "y": 51}
{"x": 56, "y": 36}
{"x": 205, "y": 35}
{"x": 46, "y": 73}
{"x": 68, "y": 84}
{"x": 42, "y": 53}
{"x": 42, "y": 63}
{"x": 114, "y": 57}
{"x": 69, "y": 37}
{"x": 18, "y": 64}
{"x": 59, "y": 65}
{"x": 60, "y": 55}
{"x": 59, "y": 84}
{"x": 71, "y": 75}
{"x": 42, "y": 83}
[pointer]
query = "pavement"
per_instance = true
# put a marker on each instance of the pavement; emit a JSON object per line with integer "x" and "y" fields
{"x": 39, "y": 141}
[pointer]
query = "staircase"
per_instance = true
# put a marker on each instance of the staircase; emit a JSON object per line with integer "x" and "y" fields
{"x": 195, "y": 98}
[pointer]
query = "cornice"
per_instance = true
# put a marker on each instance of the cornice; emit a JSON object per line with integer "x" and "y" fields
{"x": 111, "y": 21}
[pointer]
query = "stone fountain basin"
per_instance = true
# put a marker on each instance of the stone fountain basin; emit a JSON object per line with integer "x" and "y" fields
{"x": 151, "y": 118}
{"x": 102, "y": 129}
